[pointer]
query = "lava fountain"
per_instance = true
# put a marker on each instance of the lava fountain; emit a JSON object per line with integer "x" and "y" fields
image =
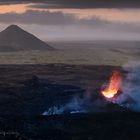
{"x": 114, "y": 85}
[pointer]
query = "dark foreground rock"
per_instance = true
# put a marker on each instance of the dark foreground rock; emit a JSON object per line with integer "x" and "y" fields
{"x": 26, "y": 91}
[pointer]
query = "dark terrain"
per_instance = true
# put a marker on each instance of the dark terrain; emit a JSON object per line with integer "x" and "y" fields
{"x": 26, "y": 91}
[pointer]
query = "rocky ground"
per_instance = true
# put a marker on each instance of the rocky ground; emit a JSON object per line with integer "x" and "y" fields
{"x": 26, "y": 91}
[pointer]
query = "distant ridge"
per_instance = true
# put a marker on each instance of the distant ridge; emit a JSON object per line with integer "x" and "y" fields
{"x": 13, "y": 38}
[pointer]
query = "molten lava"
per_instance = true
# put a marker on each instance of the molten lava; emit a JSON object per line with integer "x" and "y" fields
{"x": 114, "y": 85}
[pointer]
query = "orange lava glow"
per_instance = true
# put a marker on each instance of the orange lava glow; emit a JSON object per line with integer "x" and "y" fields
{"x": 114, "y": 85}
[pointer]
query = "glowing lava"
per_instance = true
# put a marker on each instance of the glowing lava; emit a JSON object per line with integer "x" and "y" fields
{"x": 114, "y": 85}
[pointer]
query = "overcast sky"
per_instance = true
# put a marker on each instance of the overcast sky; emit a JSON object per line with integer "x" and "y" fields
{"x": 74, "y": 19}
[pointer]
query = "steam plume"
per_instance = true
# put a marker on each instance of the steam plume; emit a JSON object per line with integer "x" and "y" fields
{"x": 131, "y": 87}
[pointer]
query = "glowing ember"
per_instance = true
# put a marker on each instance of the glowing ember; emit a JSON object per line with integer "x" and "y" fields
{"x": 114, "y": 85}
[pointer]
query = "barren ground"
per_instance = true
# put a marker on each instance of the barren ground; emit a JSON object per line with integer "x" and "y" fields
{"x": 104, "y": 53}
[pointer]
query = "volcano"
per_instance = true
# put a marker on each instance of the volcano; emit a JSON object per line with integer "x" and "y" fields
{"x": 13, "y": 38}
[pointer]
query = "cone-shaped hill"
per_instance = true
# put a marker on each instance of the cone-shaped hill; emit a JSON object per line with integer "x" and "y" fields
{"x": 13, "y": 38}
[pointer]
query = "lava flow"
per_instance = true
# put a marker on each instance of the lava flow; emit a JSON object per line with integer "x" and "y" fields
{"x": 114, "y": 85}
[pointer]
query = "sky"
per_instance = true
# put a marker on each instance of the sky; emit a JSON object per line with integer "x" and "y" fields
{"x": 66, "y": 20}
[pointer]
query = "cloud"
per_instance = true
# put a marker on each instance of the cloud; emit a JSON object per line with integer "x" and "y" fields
{"x": 56, "y": 25}
{"x": 61, "y": 19}
{"x": 36, "y": 17}
{"x": 11, "y": 2}
{"x": 48, "y": 18}
{"x": 91, "y": 4}
{"x": 78, "y": 3}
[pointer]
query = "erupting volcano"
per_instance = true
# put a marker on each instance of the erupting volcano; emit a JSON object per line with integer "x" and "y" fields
{"x": 114, "y": 85}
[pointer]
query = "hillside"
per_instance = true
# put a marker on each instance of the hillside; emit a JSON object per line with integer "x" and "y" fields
{"x": 13, "y": 38}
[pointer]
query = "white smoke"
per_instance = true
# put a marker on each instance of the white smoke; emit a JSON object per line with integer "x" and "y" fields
{"x": 55, "y": 110}
{"x": 131, "y": 87}
{"x": 129, "y": 98}
{"x": 73, "y": 106}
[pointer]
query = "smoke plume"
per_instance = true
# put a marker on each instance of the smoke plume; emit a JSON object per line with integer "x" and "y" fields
{"x": 131, "y": 87}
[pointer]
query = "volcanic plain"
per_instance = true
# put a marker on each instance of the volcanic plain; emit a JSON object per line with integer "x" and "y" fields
{"x": 32, "y": 81}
